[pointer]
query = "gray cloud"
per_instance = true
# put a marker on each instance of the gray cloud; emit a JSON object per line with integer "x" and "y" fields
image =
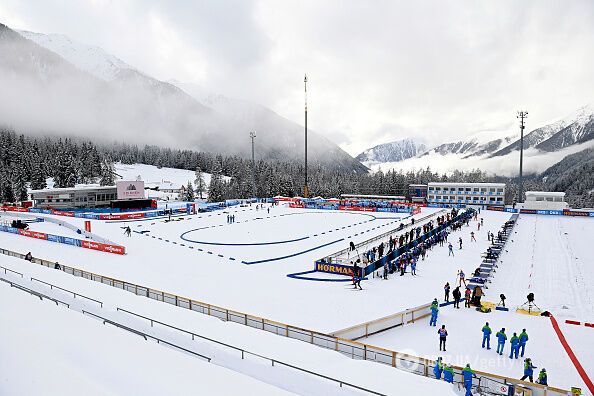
{"x": 432, "y": 68}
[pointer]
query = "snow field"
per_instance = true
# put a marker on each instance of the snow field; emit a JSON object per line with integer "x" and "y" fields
{"x": 465, "y": 337}
{"x": 49, "y": 349}
{"x": 380, "y": 378}
{"x": 264, "y": 289}
{"x": 550, "y": 256}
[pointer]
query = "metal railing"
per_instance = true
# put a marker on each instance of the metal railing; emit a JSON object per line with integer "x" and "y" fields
{"x": 353, "y": 349}
{"x": 144, "y": 335}
{"x": 66, "y": 290}
{"x": 6, "y": 270}
{"x": 245, "y": 352}
{"x": 33, "y": 292}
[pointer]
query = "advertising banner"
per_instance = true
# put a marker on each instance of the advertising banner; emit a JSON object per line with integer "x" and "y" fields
{"x": 130, "y": 189}
{"x": 91, "y": 245}
{"x": 334, "y": 268}
{"x": 113, "y": 248}
{"x": 88, "y": 225}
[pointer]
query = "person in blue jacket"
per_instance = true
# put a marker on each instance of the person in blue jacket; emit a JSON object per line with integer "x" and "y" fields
{"x": 501, "y": 337}
{"x": 448, "y": 374}
{"x": 542, "y": 377}
{"x": 515, "y": 346}
{"x": 487, "y": 335}
{"x": 528, "y": 370}
{"x": 434, "y": 311}
{"x": 467, "y": 374}
{"x": 438, "y": 368}
{"x": 523, "y": 340}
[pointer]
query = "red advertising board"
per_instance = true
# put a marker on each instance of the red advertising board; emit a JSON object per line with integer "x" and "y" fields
{"x": 356, "y": 208}
{"x": 33, "y": 234}
{"x": 121, "y": 216}
{"x": 88, "y": 225}
{"x": 294, "y": 205}
{"x": 91, "y": 245}
{"x": 113, "y": 248}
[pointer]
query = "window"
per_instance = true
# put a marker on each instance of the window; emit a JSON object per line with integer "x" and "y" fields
{"x": 475, "y": 189}
{"x": 491, "y": 190}
{"x": 499, "y": 199}
{"x": 483, "y": 189}
{"x": 452, "y": 197}
{"x": 430, "y": 188}
{"x": 540, "y": 199}
{"x": 500, "y": 190}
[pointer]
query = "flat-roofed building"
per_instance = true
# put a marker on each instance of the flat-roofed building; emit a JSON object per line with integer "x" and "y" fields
{"x": 74, "y": 197}
{"x": 448, "y": 193}
{"x": 544, "y": 200}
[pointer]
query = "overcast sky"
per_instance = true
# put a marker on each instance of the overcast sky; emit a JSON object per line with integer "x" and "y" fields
{"x": 378, "y": 70}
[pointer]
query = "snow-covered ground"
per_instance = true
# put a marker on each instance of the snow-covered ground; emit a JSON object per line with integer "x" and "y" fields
{"x": 168, "y": 262}
{"x": 550, "y": 256}
{"x": 465, "y": 337}
{"x": 244, "y": 266}
{"x": 75, "y": 352}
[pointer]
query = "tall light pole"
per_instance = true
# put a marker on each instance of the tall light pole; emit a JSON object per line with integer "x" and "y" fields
{"x": 253, "y": 136}
{"x": 305, "y": 187}
{"x": 521, "y": 115}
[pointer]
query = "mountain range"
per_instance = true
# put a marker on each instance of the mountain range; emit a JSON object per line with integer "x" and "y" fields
{"x": 54, "y": 85}
{"x": 493, "y": 151}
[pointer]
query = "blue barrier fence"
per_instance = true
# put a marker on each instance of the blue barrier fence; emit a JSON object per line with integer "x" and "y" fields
{"x": 411, "y": 245}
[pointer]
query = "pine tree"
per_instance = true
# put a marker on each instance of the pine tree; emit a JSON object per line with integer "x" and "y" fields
{"x": 189, "y": 192}
{"x": 216, "y": 189}
{"x": 200, "y": 184}
{"x": 107, "y": 173}
{"x": 6, "y": 188}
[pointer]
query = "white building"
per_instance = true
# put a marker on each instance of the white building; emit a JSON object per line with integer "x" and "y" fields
{"x": 466, "y": 193}
{"x": 544, "y": 200}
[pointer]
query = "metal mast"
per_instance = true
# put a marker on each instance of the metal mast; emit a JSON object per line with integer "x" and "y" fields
{"x": 253, "y": 136}
{"x": 521, "y": 115}
{"x": 305, "y": 188}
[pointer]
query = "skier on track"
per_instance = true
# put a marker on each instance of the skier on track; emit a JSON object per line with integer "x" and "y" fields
{"x": 443, "y": 334}
{"x": 468, "y": 373}
{"x": 515, "y": 346}
{"x": 438, "y": 368}
{"x": 460, "y": 242}
{"x": 128, "y": 231}
{"x": 528, "y": 370}
{"x": 446, "y": 290}
{"x": 434, "y": 313}
{"x": 450, "y": 250}
{"x": 472, "y": 238}
{"x": 487, "y": 335}
{"x": 461, "y": 277}
{"x": 523, "y": 341}
{"x": 413, "y": 266}
{"x": 501, "y": 337}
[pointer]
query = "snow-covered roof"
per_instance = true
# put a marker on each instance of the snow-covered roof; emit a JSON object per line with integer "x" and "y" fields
{"x": 78, "y": 187}
{"x": 546, "y": 193}
{"x": 433, "y": 184}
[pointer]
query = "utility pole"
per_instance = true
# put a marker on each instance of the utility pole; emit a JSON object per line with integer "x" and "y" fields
{"x": 253, "y": 136}
{"x": 521, "y": 115}
{"x": 305, "y": 188}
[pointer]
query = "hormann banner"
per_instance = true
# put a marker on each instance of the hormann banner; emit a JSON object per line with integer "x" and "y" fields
{"x": 334, "y": 268}
{"x": 130, "y": 189}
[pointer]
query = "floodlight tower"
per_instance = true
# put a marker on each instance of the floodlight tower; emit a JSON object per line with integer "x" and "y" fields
{"x": 305, "y": 187}
{"x": 253, "y": 136}
{"x": 521, "y": 115}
